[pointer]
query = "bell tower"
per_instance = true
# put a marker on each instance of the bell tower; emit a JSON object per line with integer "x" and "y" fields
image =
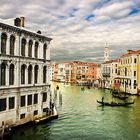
{"x": 106, "y": 54}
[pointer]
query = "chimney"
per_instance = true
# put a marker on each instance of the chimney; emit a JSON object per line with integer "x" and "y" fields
{"x": 17, "y": 22}
{"x": 39, "y": 32}
{"x": 22, "y": 21}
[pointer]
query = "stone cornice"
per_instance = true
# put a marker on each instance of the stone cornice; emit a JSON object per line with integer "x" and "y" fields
{"x": 24, "y": 31}
{"x": 23, "y": 57}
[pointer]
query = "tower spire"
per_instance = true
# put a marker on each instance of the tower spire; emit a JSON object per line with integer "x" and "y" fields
{"x": 106, "y": 53}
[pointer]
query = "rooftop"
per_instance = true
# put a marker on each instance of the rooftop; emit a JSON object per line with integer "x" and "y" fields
{"x": 9, "y": 23}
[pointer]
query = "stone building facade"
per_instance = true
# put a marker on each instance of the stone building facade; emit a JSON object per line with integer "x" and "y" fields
{"x": 24, "y": 74}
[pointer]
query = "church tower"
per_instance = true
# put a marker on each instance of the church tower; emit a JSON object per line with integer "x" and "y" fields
{"x": 106, "y": 54}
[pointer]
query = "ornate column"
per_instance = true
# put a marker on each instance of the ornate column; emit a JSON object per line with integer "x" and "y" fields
{"x": 40, "y": 76}
{"x": 7, "y": 76}
{"x": 26, "y": 75}
{"x": 33, "y": 75}
{"x": 33, "y": 49}
{"x": 8, "y": 44}
{"x": 26, "y": 48}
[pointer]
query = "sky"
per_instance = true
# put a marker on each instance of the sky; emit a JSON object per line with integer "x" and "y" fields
{"x": 81, "y": 29}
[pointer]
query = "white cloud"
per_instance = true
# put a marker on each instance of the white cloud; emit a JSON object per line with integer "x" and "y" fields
{"x": 65, "y": 21}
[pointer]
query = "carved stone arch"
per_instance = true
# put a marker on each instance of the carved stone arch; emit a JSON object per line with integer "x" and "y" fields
{"x": 30, "y": 69}
{"x": 4, "y": 37}
{"x": 36, "y": 69}
{"x": 12, "y": 44}
{"x": 44, "y": 50}
{"x": 36, "y": 49}
{"x": 23, "y": 70}
{"x": 3, "y": 67}
{"x": 23, "y": 46}
{"x": 11, "y": 74}
{"x": 30, "y": 44}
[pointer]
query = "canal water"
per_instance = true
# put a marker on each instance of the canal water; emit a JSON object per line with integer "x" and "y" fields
{"x": 82, "y": 118}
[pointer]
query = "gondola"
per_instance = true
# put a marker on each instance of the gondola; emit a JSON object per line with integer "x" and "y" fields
{"x": 115, "y": 104}
{"x": 119, "y": 96}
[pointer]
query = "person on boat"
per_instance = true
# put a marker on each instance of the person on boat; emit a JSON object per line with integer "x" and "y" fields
{"x": 102, "y": 99}
{"x": 57, "y": 87}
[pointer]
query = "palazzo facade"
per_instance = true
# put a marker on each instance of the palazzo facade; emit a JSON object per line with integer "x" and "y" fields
{"x": 24, "y": 74}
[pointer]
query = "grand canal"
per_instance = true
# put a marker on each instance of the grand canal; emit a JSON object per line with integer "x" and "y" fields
{"x": 81, "y": 118}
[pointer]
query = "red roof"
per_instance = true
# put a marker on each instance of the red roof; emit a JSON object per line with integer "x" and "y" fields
{"x": 130, "y": 52}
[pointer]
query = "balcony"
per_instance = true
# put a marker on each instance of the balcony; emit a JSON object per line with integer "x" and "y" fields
{"x": 106, "y": 74}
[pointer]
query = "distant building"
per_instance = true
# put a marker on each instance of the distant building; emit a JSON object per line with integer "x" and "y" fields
{"x": 24, "y": 74}
{"x": 98, "y": 75}
{"x": 75, "y": 72}
{"x": 52, "y": 65}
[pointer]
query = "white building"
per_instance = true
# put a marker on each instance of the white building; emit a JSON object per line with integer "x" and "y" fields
{"x": 24, "y": 74}
{"x": 61, "y": 72}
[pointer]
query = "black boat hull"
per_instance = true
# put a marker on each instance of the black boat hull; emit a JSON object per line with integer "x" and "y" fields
{"x": 114, "y": 104}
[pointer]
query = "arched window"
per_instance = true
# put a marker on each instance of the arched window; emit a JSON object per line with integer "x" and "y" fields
{"x": 36, "y": 50}
{"x": 30, "y": 48}
{"x": 3, "y": 74}
{"x": 44, "y": 74}
{"x": 23, "y": 44}
{"x": 44, "y": 51}
{"x": 30, "y": 74}
{"x": 23, "y": 67}
{"x": 12, "y": 45}
{"x": 125, "y": 71}
{"x": 3, "y": 43}
{"x": 36, "y": 74}
{"x": 11, "y": 75}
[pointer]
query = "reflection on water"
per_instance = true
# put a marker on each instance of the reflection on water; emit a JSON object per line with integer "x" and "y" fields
{"x": 81, "y": 118}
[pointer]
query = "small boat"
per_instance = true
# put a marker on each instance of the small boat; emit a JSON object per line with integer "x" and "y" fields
{"x": 88, "y": 87}
{"x": 114, "y": 92}
{"x": 114, "y": 103}
{"x": 82, "y": 88}
{"x": 119, "y": 96}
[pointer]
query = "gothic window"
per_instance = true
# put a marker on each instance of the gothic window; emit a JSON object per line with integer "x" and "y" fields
{"x": 29, "y": 74}
{"x": 23, "y": 44}
{"x": 23, "y": 74}
{"x": 12, "y": 45}
{"x": 44, "y": 74}
{"x": 36, "y": 50}
{"x": 36, "y": 74}
{"x": 30, "y": 48}
{"x": 11, "y": 75}
{"x": 3, "y": 74}
{"x": 44, "y": 51}
{"x": 3, "y": 43}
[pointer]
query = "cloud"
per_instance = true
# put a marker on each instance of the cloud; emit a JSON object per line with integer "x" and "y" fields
{"x": 81, "y": 28}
